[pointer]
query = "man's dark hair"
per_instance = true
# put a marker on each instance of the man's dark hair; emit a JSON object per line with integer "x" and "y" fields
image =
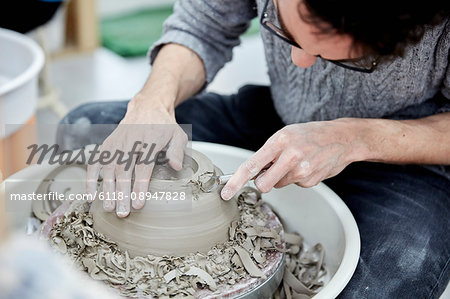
{"x": 381, "y": 27}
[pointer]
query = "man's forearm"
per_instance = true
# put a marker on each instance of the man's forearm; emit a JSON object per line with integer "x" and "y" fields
{"x": 177, "y": 74}
{"x": 420, "y": 141}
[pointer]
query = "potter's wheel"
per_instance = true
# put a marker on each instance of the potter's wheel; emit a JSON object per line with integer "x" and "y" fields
{"x": 267, "y": 288}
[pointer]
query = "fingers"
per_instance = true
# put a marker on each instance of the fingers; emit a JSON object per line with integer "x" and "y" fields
{"x": 290, "y": 178}
{"x": 109, "y": 188}
{"x": 308, "y": 176}
{"x": 175, "y": 151}
{"x": 123, "y": 188}
{"x": 123, "y": 173}
{"x": 93, "y": 171}
{"x": 267, "y": 180}
{"x": 131, "y": 147}
{"x": 248, "y": 170}
{"x": 302, "y": 171}
{"x": 142, "y": 174}
{"x": 304, "y": 154}
{"x": 325, "y": 172}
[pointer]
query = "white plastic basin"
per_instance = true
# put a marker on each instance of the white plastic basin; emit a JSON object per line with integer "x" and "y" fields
{"x": 21, "y": 60}
{"x": 317, "y": 213}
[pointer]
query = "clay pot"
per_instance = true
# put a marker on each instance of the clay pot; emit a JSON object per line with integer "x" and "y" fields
{"x": 172, "y": 227}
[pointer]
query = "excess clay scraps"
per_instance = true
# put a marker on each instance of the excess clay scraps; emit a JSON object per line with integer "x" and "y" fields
{"x": 251, "y": 242}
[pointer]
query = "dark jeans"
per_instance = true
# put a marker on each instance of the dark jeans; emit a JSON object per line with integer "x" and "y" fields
{"x": 403, "y": 212}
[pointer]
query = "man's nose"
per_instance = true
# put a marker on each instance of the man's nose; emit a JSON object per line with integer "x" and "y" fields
{"x": 302, "y": 59}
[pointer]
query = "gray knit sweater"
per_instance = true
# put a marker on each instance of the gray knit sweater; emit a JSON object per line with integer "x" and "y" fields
{"x": 407, "y": 87}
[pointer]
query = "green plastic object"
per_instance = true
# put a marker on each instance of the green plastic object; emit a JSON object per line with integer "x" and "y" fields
{"x": 133, "y": 34}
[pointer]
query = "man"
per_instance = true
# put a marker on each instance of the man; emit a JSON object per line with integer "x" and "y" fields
{"x": 351, "y": 83}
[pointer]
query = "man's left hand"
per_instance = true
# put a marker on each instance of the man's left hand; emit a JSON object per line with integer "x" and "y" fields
{"x": 304, "y": 154}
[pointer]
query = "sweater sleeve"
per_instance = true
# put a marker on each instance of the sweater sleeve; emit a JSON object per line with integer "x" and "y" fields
{"x": 210, "y": 28}
{"x": 444, "y": 42}
{"x": 445, "y": 92}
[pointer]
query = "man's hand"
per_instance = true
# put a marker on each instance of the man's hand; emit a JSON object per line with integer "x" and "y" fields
{"x": 177, "y": 74}
{"x": 150, "y": 128}
{"x": 304, "y": 154}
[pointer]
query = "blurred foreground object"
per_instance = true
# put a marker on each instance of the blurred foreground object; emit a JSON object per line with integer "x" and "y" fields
{"x": 29, "y": 269}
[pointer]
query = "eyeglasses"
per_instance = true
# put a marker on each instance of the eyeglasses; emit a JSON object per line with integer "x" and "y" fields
{"x": 269, "y": 12}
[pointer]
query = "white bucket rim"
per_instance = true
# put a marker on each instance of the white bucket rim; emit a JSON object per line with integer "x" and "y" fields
{"x": 33, "y": 69}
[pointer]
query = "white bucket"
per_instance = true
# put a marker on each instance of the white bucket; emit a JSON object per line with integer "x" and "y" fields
{"x": 21, "y": 60}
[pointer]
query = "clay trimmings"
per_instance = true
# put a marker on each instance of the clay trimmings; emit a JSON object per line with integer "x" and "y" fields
{"x": 304, "y": 272}
{"x": 250, "y": 243}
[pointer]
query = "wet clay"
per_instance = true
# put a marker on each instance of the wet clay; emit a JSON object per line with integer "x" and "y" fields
{"x": 253, "y": 249}
{"x": 172, "y": 227}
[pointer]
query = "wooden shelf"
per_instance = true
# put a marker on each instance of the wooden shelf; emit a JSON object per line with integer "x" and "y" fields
{"x": 82, "y": 25}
